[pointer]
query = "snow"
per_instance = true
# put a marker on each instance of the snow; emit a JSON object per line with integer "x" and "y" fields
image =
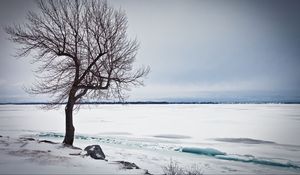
{"x": 253, "y": 138}
{"x": 32, "y": 157}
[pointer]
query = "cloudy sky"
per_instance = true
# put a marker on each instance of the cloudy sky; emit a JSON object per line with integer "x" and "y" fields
{"x": 197, "y": 50}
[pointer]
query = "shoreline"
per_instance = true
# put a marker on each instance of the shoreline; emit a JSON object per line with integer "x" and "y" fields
{"x": 34, "y": 155}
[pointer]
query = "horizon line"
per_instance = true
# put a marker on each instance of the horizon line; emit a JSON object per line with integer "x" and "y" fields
{"x": 156, "y": 102}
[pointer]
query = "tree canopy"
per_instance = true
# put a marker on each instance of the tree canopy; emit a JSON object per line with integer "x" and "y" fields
{"x": 82, "y": 47}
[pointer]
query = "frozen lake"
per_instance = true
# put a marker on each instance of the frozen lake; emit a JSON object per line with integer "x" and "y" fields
{"x": 222, "y": 138}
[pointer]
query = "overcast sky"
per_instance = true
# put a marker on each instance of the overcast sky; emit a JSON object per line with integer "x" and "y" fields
{"x": 197, "y": 50}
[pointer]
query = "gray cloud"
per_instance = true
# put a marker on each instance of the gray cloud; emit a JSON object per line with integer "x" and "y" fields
{"x": 199, "y": 48}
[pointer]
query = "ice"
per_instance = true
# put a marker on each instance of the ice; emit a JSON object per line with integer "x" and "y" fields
{"x": 261, "y": 161}
{"x": 203, "y": 151}
{"x": 244, "y": 140}
{"x": 256, "y": 138}
{"x": 172, "y": 136}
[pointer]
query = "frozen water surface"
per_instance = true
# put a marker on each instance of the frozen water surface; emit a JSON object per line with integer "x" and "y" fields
{"x": 221, "y": 138}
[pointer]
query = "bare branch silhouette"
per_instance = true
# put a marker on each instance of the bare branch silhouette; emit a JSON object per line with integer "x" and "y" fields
{"x": 83, "y": 51}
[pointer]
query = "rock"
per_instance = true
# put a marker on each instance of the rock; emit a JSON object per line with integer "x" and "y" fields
{"x": 95, "y": 152}
{"x": 128, "y": 165}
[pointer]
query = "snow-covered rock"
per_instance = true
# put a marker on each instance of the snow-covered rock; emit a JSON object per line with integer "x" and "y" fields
{"x": 95, "y": 152}
{"x": 128, "y": 165}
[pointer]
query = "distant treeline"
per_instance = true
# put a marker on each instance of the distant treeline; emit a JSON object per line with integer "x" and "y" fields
{"x": 153, "y": 102}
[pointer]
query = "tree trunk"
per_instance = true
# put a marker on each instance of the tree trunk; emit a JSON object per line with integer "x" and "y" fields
{"x": 69, "y": 135}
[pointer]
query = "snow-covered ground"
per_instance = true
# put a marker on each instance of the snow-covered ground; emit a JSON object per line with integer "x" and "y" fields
{"x": 218, "y": 138}
{"x": 27, "y": 156}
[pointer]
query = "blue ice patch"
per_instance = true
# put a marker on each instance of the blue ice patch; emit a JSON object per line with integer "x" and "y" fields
{"x": 202, "y": 151}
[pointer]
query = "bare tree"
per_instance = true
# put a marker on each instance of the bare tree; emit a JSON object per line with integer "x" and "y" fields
{"x": 83, "y": 53}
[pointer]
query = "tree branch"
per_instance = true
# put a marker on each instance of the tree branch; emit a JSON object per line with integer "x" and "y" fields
{"x": 90, "y": 66}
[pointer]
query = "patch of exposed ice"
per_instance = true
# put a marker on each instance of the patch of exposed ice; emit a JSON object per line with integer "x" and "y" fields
{"x": 172, "y": 136}
{"x": 244, "y": 140}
